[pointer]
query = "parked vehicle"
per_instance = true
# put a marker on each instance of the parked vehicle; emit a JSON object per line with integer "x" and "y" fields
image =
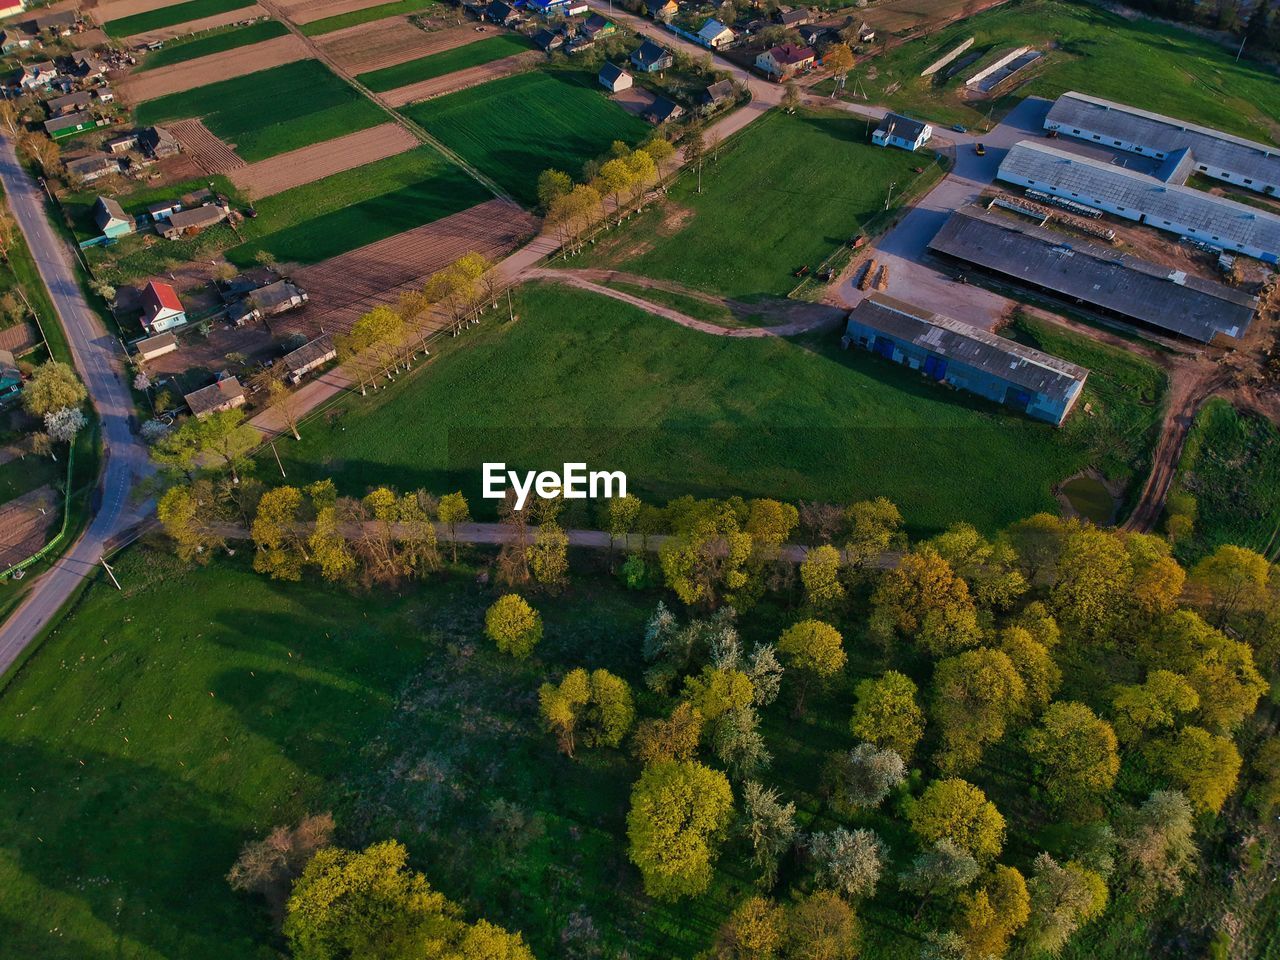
{"x": 980, "y": 150}
{"x": 959, "y": 128}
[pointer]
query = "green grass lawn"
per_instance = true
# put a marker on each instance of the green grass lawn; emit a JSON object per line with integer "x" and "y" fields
{"x": 581, "y": 377}
{"x": 168, "y": 16}
{"x": 220, "y": 40}
{"x": 514, "y": 128}
{"x": 1094, "y": 52}
{"x": 24, "y": 475}
{"x": 1231, "y": 465}
{"x": 350, "y": 209}
{"x": 271, "y": 111}
{"x": 449, "y": 61}
{"x": 399, "y": 8}
{"x": 787, "y": 193}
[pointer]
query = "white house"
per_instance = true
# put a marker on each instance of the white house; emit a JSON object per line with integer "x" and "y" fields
{"x": 895, "y": 130}
{"x": 613, "y": 78}
{"x": 161, "y": 308}
{"x": 8, "y": 9}
{"x": 715, "y": 35}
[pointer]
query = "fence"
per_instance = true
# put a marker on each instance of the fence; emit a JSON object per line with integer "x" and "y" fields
{"x": 62, "y": 532}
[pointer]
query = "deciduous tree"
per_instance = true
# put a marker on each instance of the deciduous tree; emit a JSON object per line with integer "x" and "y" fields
{"x": 822, "y": 926}
{"x": 679, "y": 812}
{"x": 454, "y": 511}
{"x": 924, "y": 600}
{"x": 849, "y": 862}
{"x": 1077, "y": 754}
{"x": 976, "y": 694}
{"x": 770, "y": 826}
{"x": 753, "y": 931}
{"x": 1063, "y": 898}
{"x": 992, "y": 914}
{"x": 1155, "y": 704}
{"x": 960, "y": 812}
{"x": 1203, "y": 765}
{"x": 188, "y": 514}
{"x": 814, "y": 652}
{"x": 277, "y": 534}
{"x": 1157, "y": 845}
{"x": 673, "y": 738}
{"x": 513, "y": 625}
{"x": 53, "y": 386}
{"x": 820, "y": 576}
{"x": 863, "y": 777}
{"x": 887, "y": 714}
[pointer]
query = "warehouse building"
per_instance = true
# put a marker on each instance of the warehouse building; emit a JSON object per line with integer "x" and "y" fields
{"x": 966, "y": 357}
{"x": 1217, "y": 221}
{"x": 1211, "y": 152}
{"x": 1097, "y": 276}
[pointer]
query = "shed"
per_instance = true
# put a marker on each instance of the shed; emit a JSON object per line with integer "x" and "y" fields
{"x": 161, "y": 308}
{"x": 163, "y": 210}
{"x": 793, "y": 18}
{"x": 662, "y": 110}
{"x": 93, "y": 167}
{"x": 193, "y": 221}
{"x": 160, "y": 143}
{"x": 613, "y": 78}
{"x": 58, "y": 106}
{"x": 662, "y": 9}
{"x": 10, "y": 377}
{"x": 156, "y": 346}
{"x": 123, "y": 143}
{"x": 308, "y": 357}
{"x": 226, "y": 394}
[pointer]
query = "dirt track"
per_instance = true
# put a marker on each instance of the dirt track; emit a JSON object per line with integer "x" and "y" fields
{"x": 286, "y": 170}
{"x": 346, "y": 287}
{"x": 385, "y": 43}
{"x": 209, "y": 153}
{"x": 460, "y": 80}
{"x": 308, "y": 11}
{"x": 218, "y": 66}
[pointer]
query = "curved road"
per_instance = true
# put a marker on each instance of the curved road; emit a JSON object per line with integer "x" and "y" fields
{"x": 97, "y": 357}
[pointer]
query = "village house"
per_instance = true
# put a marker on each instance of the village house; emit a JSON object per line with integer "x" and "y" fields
{"x": 720, "y": 92}
{"x": 62, "y": 24}
{"x": 814, "y": 34}
{"x": 93, "y": 167}
{"x": 597, "y": 26}
{"x": 662, "y": 9}
{"x": 266, "y": 301}
{"x": 308, "y": 357}
{"x": 87, "y": 65}
{"x": 60, "y": 106}
{"x": 785, "y": 61}
{"x": 663, "y": 110}
{"x": 110, "y": 218}
{"x": 35, "y": 76}
{"x": 186, "y": 222}
{"x": 160, "y": 143}
{"x": 11, "y": 40}
{"x": 650, "y": 57}
{"x": 161, "y": 308}
{"x": 156, "y": 346}
{"x": 793, "y": 18}
{"x": 613, "y": 78}
{"x": 549, "y": 8}
{"x": 548, "y": 40}
{"x": 226, "y": 394}
{"x": 715, "y": 35}
{"x": 9, "y": 8}
{"x": 895, "y": 130}
{"x": 122, "y": 144}
{"x": 502, "y": 13}
{"x": 10, "y": 377}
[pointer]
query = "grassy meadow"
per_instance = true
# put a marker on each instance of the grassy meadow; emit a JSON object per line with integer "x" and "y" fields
{"x": 1090, "y": 50}
{"x": 206, "y": 44}
{"x": 448, "y": 61}
{"x": 514, "y": 128}
{"x": 786, "y": 193}
{"x": 397, "y": 8}
{"x": 171, "y": 15}
{"x": 581, "y": 377}
{"x": 271, "y": 111}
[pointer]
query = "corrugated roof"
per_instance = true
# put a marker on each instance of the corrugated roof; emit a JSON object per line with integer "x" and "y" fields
{"x": 1096, "y": 275}
{"x": 980, "y": 349}
{"x": 1090, "y": 181}
{"x": 309, "y": 353}
{"x": 1162, "y": 134}
{"x": 158, "y": 294}
{"x": 214, "y": 395}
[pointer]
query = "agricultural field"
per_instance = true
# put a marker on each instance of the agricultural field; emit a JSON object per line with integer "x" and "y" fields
{"x": 182, "y": 49}
{"x": 513, "y": 129}
{"x": 1090, "y": 50}
{"x": 1231, "y": 466}
{"x": 171, "y": 16}
{"x": 438, "y": 64}
{"x": 397, "y": 8}
{"x": 780, "y": 197}
{"x": 686, "y": 412}
{"x": 271, "y": 111}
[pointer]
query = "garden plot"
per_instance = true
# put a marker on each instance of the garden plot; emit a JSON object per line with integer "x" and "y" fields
{"x": 384, "y": 43}
{"x": 460, "y": 80}
{"x": 211, "y": 69}
{"x": 160, "y": 34}
{"x": 320, "y": 160}
{"x": 305, "y": 11}
{"x": 208, "y": 152}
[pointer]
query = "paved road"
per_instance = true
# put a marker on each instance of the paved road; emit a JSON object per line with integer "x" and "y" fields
{"x": 97, "y": 357}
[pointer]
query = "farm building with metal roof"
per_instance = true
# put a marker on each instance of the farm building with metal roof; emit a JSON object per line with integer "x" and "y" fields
{"x": 967, "y": 357}
{"x": 1097, "y": 276}
{"x": 1213, "y": 153}
{"x": 1216, "y": 221}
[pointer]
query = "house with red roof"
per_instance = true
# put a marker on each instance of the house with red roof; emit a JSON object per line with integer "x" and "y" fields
{"x": 161, "y": 308}
{"x": 785, "y": 61}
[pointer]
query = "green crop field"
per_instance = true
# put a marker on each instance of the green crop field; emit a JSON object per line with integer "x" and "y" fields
{"x": 687, "y": 412}
{"x": 271, "y": 111}
{"x": 169, "y": 16}
{"x": 1090, "y": 50}
{"x": 398, "y": 8}
{"x": 215, "y": 41}
{"x": 1231, "y": 465}
{"x": 350, "y": 209}
{"x": 450, "y": 61}
{"x": 790, "y": 191}
{"x": 514, "y": 128}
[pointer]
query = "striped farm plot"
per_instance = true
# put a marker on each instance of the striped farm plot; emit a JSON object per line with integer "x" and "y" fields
{"x": 224, "y": 19}
{"x": 209, "y": 153}
{"x": 346, "y": 287}
{"x": 288, "y": 170}
{"x": 461, "y": 79}
{"x": 385, "y": 43}
{"x": 211, "y": 69}
{"x": 117, "y": 20}
{"x": 306, "y": 11}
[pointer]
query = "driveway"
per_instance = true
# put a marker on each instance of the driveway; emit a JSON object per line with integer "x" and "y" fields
{"x": 97, "y": 357}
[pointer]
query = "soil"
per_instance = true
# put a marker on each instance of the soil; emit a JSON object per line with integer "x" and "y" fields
{"x": 243, "y": 15}
{"x": 385, "y": 43}
{"x": 218, "y": 66}
{"x": 24, "y": 528}
{"x": 460, "y": 79}
{"x": 308, "y": 11}
{"x": 210, "y": 154}
{"x": 287, "y": 170}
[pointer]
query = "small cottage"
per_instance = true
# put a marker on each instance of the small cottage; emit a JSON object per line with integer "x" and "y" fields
{"x": 161, "y": 308}
{"x": 613, "y": 78}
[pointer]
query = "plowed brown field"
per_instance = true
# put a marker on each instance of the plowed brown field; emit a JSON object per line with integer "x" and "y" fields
{"x": 218, "y": 66}
{"x": 284, "y": 171}
{"x": 384, "y": 43}
{"x": 306, "y": 11}
{"x": 346, "y": 287}
{"x": 196, "y": 26}
{"x": 209, "y": 153}
{"x": 459, "y": 79}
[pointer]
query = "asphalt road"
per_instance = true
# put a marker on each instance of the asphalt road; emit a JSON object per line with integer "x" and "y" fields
{"x": 98, "y": 359}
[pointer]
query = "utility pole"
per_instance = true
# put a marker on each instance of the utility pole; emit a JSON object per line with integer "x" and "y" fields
{"x": 107, "y": 567}
{"x": 890, "y": 196}
{"x": 1238, "y": 52}
{"x": 277, "y": 453}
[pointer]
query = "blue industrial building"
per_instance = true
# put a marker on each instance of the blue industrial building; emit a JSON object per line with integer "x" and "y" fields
{"x": 966, "y": 357}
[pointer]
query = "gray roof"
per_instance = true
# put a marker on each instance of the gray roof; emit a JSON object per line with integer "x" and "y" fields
{"x": 276, "y": 295}
{"x": 1087, "y": 180}
{"x": 611, "y": 72}
{"x": 199, "y": 217}
{"x": 309, "y": 353}
{"x": 650, "y": 52}
{"x": 106, "y": 209}
{"x": 980, "y": 349}
{"x": 81, "y": 98}
{"x": 92, "y": 164}
{"x": 908, "y": 128}
{"x": 214, "y": 395}
{"x": 1096, "y": 275}
{"x": 160, "y": 341}
{"x": 1160, "y": 134}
